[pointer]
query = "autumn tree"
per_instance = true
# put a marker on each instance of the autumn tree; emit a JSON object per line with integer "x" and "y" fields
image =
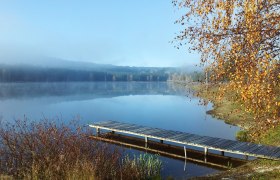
{"x": 239, "y": 40}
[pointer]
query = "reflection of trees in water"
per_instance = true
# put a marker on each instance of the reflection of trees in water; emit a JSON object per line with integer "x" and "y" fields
{"x": 182, "y": 89}
{"x": 189, "y": 93}
{"x": 95, "y": 89}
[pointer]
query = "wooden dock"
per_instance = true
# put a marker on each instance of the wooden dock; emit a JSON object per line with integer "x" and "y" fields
{"x": 205, "y": 142}
{"x": 212, "y": 160}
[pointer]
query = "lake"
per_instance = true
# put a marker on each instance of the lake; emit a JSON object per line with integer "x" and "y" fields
{"x": 154, "y": 104}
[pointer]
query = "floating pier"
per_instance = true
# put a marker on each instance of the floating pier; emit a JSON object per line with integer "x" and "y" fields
{"x": 205, "y": 142}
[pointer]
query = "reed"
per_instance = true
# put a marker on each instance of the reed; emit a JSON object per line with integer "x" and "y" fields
{"x": 144, "y": 166}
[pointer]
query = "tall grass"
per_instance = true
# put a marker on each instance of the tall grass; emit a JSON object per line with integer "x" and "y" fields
{"x": 51, "y": 150}
{"x": 144, "y": 166}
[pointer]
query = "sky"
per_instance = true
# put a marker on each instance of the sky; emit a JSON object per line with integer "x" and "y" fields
{"x": 119, "y": 32}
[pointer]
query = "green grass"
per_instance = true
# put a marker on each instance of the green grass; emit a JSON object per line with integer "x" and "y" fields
{"x": 242, "y": 135}
{"x": 272, "y": 137}
{"x": 144, "y": 166}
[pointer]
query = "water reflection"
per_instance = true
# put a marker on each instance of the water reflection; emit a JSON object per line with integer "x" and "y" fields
{"x": 91, "y": 89}
{"x": 159, "y": 105}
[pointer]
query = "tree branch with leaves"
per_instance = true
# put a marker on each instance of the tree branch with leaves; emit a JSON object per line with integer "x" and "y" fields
{"x": 240, "y": 42}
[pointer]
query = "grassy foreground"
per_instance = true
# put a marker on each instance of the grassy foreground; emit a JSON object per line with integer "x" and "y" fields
{"x": 234, "y": 114}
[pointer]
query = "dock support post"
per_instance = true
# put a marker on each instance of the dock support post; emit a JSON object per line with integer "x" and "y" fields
{"x": 146, "y": 141}
{"x": 246, "y": 157}
{"x": 161, "y": 141}
{"x": 205, "y": 154}
{"x": 113, "y": 132}
{"x": 185, "y": 151}
{"x": 223, "y": 153}
{"x": 97, "y": 131}
{"x": 205, "y": 151}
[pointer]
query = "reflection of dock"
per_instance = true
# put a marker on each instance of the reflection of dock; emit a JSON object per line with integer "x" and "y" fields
{"x": 186, "y": 139}
{"x": 172, "y": 151}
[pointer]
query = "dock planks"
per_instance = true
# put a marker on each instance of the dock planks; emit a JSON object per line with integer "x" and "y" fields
{"x": 224, "y": 145}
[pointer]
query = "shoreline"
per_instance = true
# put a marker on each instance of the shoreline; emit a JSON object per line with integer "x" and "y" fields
{"x": 225, "y": 110}
{"x": 233, "y": 113}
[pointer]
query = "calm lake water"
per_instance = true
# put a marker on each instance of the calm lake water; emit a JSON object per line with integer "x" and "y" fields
{"x": 160, "y": 105}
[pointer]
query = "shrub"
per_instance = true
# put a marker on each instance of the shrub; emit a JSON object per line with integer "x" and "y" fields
{"x": 53, "y": 150}
{"x": 242, "y": 135}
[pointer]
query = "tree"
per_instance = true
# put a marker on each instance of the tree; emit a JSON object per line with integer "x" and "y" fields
{"x": 240, "y": 41}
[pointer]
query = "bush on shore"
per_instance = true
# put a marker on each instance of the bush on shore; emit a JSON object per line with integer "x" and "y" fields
{"x": 51, "y": 150}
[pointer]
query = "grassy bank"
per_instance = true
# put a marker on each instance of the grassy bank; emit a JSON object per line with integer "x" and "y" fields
{"x": 233, "y": 113}
{"x": 224, "y": 109}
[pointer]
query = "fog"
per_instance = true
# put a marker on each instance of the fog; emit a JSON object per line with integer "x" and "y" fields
{"x": 125, "y": 33}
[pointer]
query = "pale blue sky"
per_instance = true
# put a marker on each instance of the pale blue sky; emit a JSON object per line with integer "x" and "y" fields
{"x": 120, "y": 32}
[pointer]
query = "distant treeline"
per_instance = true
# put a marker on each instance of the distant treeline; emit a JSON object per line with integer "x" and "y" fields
{"x": 39, "y": 74}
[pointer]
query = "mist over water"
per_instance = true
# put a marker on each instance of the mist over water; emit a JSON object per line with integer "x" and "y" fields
{"x": 156, "y": 104}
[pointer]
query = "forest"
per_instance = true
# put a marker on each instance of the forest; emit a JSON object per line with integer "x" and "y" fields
{"x": 11, "y": 73}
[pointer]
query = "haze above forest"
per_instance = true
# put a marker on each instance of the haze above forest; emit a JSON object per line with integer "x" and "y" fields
{"x": 45, "y": 69}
